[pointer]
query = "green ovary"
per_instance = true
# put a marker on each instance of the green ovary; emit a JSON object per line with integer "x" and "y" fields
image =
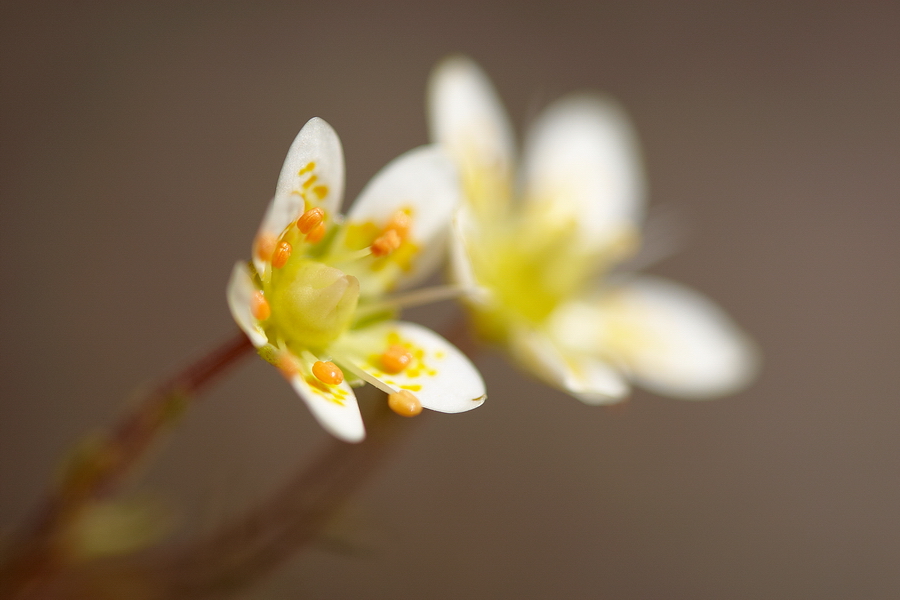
{"x": 312, "y": 303}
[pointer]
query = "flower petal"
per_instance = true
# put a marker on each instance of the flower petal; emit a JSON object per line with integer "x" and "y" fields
{"x": 333, "y": 406}
{"x": 240, "y": 301}
{"x": 669, "y": 338}
{"x": 439, "y": 375}
{"x": 586, "y": 377}
{"x": 466, "y": 117}
{"x": 582, "y": 166}
{"x": 312, "y": 176}
{"x": 423, "y": 184}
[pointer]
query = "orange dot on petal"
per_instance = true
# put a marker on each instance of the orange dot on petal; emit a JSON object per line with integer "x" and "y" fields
{"x": 327, "y": 372}
{"x": 264, "y": 246}
{"x": 259, "y": 306}
{"x": 395, "y": 359}
{"x": 282, "y": 254}
{"x": 316, "y": 234}
{"x": 386, "y": 243}
{"x": 310, "y": 219}
{"x": 404, "y": 403}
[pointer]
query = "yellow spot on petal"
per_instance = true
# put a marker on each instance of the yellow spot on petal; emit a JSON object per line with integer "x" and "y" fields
{"x": 321, "y": 191}
{"x": 309, "y": 167}
{"x": 309, "y": 182}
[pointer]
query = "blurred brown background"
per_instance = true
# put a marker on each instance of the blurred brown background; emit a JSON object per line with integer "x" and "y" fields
{"x": 141, "y": 142}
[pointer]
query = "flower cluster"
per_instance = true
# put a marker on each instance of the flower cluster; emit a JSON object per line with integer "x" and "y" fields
{"x": 541, "y": 243}
{"x": 316, "y": 300}
{"x": 536, "y": 249}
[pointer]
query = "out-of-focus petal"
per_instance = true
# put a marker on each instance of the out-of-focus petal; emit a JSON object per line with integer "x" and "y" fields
{"x": 586, "y": 377}
{"x": 669, "y": 338}
{"x": 582, "y": 169}
{"x": 467, "y": 117}
{"x": 439, "y": 375}
{"x": 312, "y": 176}
{"x": 240, "y": 294}
{"x": 422, "y": 184}
{"x": 333, "y": 406}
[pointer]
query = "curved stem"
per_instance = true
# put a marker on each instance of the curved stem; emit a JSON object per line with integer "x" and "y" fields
{"x": 98, "y": 469}
{"x": 242, "y": 552}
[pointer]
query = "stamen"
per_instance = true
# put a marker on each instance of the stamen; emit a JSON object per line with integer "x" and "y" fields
{"x": 264, "y": 246}
{"x": 400, "y": 222}
{"x": 416, "y": 298}
{"x": 287, "y": 364}
{"x": 327, "y": 372}
{"x": 395, "y": 359}
{"x": 316, "y": 234}
{"x": 386, "y": 243}
{"x": 259, "y": 306}
{"x": 310, "y": 219}
{"x": 404, "y": 403}
{"x": 282, "y": 254}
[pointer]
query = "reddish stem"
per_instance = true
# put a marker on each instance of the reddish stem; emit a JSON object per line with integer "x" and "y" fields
{"x": 98, "y": 471}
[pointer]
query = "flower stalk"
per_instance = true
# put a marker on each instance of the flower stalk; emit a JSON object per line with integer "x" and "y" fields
{"x": 99, "y": 467}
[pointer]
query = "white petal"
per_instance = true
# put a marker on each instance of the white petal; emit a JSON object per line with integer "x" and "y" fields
{"x": 240, "y": 297}
{"x": 312, "y": 175}
{"x": 424, "y": 183}
{"x": 587, "y": 378}
{"x": 333, "y": 406}
{"x": 466, "y": 116}
{"x": 464, "y": 233}
{"x": 582, "y": 163}
{"x": 671, "y": 339}
{"x": 440, "y": 376}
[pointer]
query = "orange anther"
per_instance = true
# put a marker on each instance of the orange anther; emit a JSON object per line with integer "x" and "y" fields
{"x": 287, "y": 364}
{"x": 395, "y": 359}
{"x": 386, "y": 243}
{"x": 404, "y": 403}
{"x": 259, "y": 306}
{"x": 400, "y": 222}
{"x": 264, "y": 246}
{"x": 316, "y": 234}
{"x": 310, "y": 219}
{"x": 282, "y": 254}
{"x": 327, "y": 372}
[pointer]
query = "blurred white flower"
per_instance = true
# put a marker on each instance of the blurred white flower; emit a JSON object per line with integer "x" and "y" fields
{"x": 540, "y": 244}
{"x": 313, "y": 300}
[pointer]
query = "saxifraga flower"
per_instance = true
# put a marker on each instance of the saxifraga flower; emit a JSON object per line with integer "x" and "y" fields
{"x": 315, "y": 300}
{"x": 540, "y": 244}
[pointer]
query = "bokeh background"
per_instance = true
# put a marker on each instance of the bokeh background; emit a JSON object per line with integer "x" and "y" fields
{"x": 141, "y": 143}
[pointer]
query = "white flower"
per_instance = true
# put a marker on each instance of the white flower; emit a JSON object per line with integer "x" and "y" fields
{"x": 540, "y": 244}
{"x": 313, "y": 300}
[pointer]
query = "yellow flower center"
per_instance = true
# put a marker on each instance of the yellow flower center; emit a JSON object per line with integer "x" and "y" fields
{"x": 312, "y": 304}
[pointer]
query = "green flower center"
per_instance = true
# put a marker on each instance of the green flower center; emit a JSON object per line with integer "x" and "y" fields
{"x": 312, "y": 303}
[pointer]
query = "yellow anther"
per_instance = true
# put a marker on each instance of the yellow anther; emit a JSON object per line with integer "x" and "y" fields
{"x": 395, "y": 359}
{"x": 282, "y": 254}
{"x": 316, "y": 234}
{"x": 404, "y": 403}
{"x": 310, "y": 219}
{"x": 287, "y": 364}
{"x": 264, "y": 246}
{"x": 400, "y": 222}
{"x": 386, "y": 243}
{"x": 259, "y": 306}
{"x": 327, "y": 372}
